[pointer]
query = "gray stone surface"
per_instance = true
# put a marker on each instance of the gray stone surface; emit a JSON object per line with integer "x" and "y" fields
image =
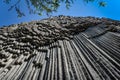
{"x": 61, "y": 48}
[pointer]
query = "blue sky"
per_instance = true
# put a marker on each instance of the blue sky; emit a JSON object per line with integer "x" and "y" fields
{"x": 79, "y": 8}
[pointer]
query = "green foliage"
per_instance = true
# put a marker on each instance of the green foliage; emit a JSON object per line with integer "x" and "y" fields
{"x": 7, "y": 1}
{"x": 43, "y": 6}
{"x": 102, "y": 3}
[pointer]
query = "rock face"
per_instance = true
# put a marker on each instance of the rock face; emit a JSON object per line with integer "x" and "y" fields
{"x": 61, "y": 48}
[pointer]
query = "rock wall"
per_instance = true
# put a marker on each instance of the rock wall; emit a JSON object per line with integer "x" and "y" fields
{"x": 61, "y": 48}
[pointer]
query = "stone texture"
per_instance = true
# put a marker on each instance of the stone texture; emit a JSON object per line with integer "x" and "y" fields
{"x": 61, "y": 48}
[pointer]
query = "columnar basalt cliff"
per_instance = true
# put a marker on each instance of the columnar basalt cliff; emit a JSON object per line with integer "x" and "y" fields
{"x": 61, "y": 48}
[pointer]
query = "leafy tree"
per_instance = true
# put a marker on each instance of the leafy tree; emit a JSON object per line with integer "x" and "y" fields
{"x": 44, "y": 6}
